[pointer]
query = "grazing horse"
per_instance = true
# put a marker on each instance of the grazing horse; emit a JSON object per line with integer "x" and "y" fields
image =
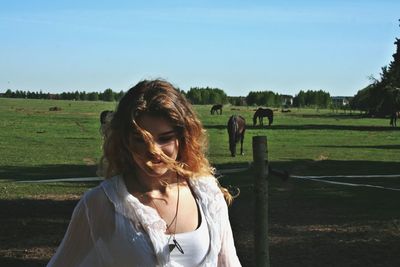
{"x": 105, "y": 119}
{"x": 393, "y": 118}
{"x": 215, "y": 108}
{"x": 236, "y": 129}
{"x": 261, "y": 113}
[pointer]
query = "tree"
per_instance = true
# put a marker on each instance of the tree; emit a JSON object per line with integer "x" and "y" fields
{"x": 8, "y": 93}
{"x": 265, "y": 98}
{"x": 298, "y": 100}
{"x": 93, "y": 96}
{"x": 381, "y": 97}
{"x": 108, "y": 95}
{"x": 119, "y": 95}
{"x": 206, "y": 95}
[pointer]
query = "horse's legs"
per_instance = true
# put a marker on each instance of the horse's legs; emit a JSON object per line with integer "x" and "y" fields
{"x": 241, "y": 144}
{"x": 393, "y": 119}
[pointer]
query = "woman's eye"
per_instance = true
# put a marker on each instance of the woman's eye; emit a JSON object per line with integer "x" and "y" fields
{"x": 166, "y": 139}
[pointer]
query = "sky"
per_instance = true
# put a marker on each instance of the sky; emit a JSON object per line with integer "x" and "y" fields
{"x": 237, "y": 46}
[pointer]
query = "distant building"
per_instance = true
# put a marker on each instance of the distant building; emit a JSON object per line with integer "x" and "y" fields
{"x": 237, "y": 100}
{"x": 340, "y": 101}
{"x": 287, "y": 100}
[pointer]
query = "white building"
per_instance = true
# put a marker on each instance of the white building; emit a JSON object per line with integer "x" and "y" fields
{"x": 340, "y": 101}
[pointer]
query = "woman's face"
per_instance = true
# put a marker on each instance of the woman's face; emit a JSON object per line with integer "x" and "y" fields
{"x": 165, "y": 137}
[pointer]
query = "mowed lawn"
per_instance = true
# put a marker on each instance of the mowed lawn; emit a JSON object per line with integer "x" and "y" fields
{"x": 311, "y": 223}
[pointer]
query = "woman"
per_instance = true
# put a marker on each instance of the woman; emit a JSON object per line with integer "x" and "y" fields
{"x": 160, "y": 204}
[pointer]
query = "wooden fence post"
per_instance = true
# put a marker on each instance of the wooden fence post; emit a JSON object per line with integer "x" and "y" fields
{"x": 260, "y": 158}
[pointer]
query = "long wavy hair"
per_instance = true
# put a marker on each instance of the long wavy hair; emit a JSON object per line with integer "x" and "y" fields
{"x": 155, "y": 98}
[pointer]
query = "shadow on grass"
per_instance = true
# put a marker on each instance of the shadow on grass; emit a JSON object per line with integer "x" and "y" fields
{"x": 330, "y": 115}
{"x": 17, "y": 173}
{"x": 311, "y": 223}
{"x": 339, "y": 167}
{"x": 376, "y": 147}
{"x": 314, "y": 127}
{"x": 31, "y": 229}
{"x": 17, "y": 262}
{"x": 325, "y": 167}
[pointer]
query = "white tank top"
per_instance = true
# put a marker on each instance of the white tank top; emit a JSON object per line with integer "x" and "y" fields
{"x": 195, "y": 244}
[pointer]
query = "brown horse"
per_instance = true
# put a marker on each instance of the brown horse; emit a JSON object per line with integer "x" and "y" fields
{"x": 105, "y": 119}
{"x": 261, "y": 113}
{"x": 215, "y": 108}
{"x": 236, "y": 130}
{"x": 393, "y": 118}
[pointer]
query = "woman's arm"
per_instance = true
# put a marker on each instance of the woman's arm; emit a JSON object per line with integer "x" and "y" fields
{"x": 227, "y": 255}
{"x": 77, "y": 242}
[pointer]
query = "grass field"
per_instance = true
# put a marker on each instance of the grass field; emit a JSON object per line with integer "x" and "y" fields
{"x": 311, "y": 223}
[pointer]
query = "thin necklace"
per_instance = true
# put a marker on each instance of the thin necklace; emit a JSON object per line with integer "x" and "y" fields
{"x": 174, "y": 221}
{"x": 176, "y": 244}
{"x": 158, "y": 211}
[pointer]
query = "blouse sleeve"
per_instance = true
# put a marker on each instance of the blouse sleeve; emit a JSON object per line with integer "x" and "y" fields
{"x": 227, "y": 255}
{"x": 77, "y": 242}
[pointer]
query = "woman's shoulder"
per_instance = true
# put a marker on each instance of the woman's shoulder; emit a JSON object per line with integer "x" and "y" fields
{"x": 207, "y": 187}
{"x": 205, "y": 182}
{"x": 101, "y": 192}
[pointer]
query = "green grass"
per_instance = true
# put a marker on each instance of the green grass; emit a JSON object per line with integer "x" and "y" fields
{"x": 36, "y": 143}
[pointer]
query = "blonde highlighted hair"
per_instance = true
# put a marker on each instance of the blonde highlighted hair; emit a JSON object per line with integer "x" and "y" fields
{"x": 155, "y": 98}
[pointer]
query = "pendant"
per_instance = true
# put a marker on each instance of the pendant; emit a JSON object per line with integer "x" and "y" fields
{"x": 178, "y": 246}
{"x": 171, "y": 247}
{"x": 175, "y": 245}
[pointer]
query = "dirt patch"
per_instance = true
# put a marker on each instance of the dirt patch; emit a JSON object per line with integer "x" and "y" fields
{"x": 89, "y": 161}
{"x": 50, "y": 197}
{"x": 321, "y": 157}
{"x": 33, "y": 227}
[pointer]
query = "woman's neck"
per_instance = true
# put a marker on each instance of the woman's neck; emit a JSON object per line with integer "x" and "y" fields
{"x": 139, "y": 183}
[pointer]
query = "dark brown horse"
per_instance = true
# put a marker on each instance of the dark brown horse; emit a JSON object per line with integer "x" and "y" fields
{"x": 215, "y": 108}
{"x": 236, "y": 130}
{"x": 261, "y": 113}
{"x": 393, "y": 118}
{"x": 105, "y": 119}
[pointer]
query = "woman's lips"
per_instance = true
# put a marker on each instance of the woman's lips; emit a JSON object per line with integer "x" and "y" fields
{"x": 156, "y": 161}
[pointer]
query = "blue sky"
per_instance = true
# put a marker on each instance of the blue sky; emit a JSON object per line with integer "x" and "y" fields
{"x": 238, "y": 46}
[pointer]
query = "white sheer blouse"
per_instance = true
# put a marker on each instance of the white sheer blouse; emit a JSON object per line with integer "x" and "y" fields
{"x": 110, "y": 227}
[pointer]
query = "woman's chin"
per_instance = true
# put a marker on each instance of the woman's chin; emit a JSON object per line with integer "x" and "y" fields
{"x": 157, "y": 170}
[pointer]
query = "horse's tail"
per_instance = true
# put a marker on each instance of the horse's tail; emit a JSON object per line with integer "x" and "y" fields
{"x": 232, "y": 125}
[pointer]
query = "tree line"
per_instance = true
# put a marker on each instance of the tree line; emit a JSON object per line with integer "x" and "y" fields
{"x": 106, "y": 95}
{"x": 207, "y": 95}
{"x": 197, "y": 96}
{"x": 309, "y": 98}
